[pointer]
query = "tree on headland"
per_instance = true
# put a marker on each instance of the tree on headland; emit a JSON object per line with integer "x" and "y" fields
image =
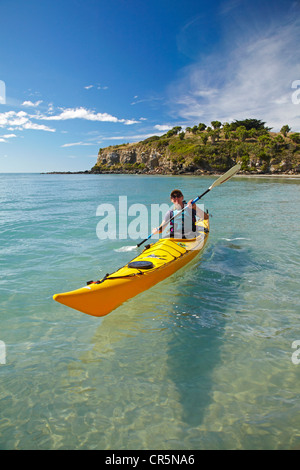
{"x": 279, "y": 140}
{"x": 285, "y": 130}
{"x": 252, "y": 133}
{"x": 249, "y": 124}
{"x": 226, "y": 130}
{"x": 241, "y": 133}
{"x": 204, "y": 138}
{"x": 214, "y": 135}
{"x": 174, "y": 131}
{"x": 216, "y": 124}
{"x": 264, "y": 140}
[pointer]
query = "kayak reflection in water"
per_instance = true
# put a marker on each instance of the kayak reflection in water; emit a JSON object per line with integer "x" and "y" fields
{"x": 183, "y": 226}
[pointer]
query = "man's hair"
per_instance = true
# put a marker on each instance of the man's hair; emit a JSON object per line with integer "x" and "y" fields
{"x": 176, "y": 192}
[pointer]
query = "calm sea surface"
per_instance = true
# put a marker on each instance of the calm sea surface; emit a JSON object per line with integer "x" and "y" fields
{"x": 203, "y": 360}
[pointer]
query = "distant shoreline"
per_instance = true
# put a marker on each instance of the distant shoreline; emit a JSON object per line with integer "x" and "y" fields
{"x": 244, "y": 175}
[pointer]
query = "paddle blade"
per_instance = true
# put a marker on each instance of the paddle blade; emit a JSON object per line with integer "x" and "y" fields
{"x": 226, "y": 176}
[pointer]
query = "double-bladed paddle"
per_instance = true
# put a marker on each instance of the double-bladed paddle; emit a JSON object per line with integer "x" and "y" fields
{"x": 218, "y": 181}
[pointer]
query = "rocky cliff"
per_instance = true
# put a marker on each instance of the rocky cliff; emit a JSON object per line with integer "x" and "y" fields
{"x": 132, "y": 158}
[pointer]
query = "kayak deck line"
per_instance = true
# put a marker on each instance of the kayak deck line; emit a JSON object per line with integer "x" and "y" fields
{"x": 167, "y": 255}
{"x": 109, "y": 276}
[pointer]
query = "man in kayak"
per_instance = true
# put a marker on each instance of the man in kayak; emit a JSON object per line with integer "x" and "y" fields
{"x": 183, "y": 226}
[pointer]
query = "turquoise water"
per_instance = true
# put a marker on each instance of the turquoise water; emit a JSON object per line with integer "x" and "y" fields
{"x": 203, "y": 360}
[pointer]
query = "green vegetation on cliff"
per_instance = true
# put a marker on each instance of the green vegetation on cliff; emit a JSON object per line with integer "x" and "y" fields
{"x": 205, "y": 149}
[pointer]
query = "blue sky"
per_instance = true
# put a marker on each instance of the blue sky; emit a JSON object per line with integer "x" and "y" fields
{"x": 79, "y": 75}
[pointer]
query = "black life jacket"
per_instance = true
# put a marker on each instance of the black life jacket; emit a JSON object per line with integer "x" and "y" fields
{"x": 183, "y": 215}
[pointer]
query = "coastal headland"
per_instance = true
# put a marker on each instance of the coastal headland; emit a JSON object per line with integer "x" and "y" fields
{"x": 204, "y": 150}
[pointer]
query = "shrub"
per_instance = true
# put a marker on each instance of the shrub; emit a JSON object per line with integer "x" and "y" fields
{"x": 245, "y": 162}
{"x": 151, "y": 139}
{"x": 295, "y": 138}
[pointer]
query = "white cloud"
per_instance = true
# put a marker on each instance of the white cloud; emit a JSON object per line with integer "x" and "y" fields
{"x": 82, "y": 113}
{"x": 79, "y": 113}
{"x": 99, "y": 87}
{"x": 37, "y": 127}
{"x": 3, "y": 138}
{"x": 128, "y": 122}
{"x": 76, "y": 144}
{"x": 31, "y": 104}
{"x": 151, "y": 100}
{"x": 50, "y": 108}
{"x": 8, "y": 136}
{"x": 163, "y": 127}
{"x": 11, "y": 118}
{"x": 20, "y": 120}
{"x": 251, "y": 78}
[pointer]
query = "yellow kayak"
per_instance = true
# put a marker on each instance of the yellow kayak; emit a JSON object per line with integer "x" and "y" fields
{"x": 157, "y": 262}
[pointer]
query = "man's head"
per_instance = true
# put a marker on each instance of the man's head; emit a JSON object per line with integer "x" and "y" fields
{"x": 176, "y": 194}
